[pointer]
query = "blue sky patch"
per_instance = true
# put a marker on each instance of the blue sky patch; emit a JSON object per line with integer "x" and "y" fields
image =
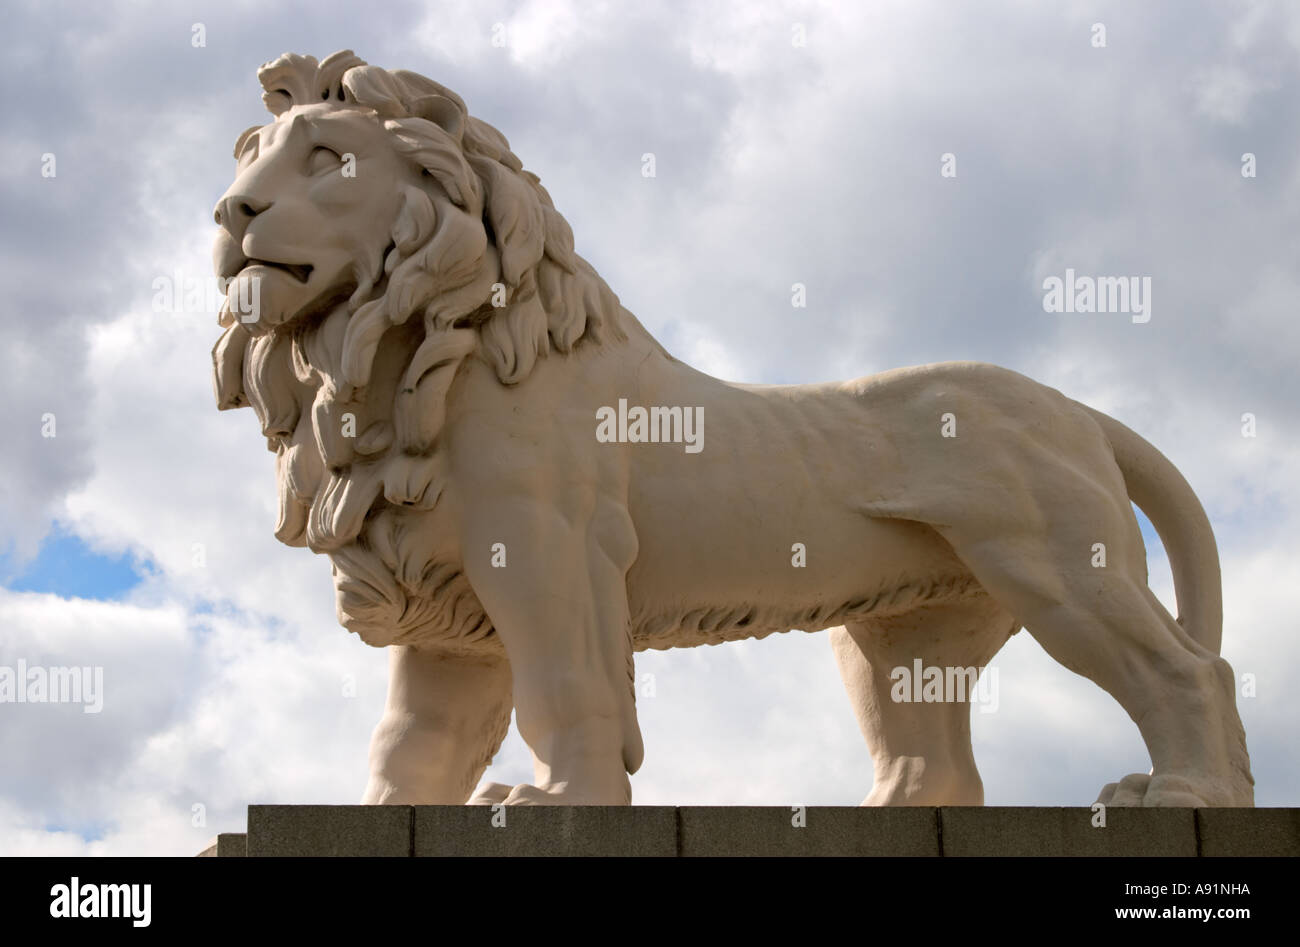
{"x": 66, "y": 566}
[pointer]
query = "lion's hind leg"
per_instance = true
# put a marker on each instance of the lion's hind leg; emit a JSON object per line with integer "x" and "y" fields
{"x": 921, "y": 747}
{"x": 1072, "y": 576}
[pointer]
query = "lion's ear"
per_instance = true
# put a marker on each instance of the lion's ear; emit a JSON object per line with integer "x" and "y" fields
{"x": 287, "y": 81}
{"x": 374, "y": 88}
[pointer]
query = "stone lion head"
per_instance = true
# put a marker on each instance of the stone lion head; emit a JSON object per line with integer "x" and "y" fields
{"x": 374, "y": 220}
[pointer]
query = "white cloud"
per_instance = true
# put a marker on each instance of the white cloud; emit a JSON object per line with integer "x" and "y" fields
{"x": 1224, "y": 93}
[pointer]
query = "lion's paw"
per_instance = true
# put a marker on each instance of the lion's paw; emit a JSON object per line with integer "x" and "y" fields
{"x": 1142, "y": 789}
{"x": 1127, "y": 792}
{"x": 526, "y": 794}
{"x": 490, "y": 794}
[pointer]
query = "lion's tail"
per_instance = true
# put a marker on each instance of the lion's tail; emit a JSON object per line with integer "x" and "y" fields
{"x": 1162, "y": 493}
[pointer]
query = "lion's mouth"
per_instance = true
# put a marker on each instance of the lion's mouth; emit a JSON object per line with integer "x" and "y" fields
{"x": 299, "y": 271}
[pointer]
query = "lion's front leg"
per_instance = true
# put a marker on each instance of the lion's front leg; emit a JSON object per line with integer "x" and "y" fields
{"x": 445, "y": 719}
{"x": 560, "y": 607}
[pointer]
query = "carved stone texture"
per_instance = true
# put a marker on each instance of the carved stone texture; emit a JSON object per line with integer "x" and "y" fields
{"x": 519, "y": 488}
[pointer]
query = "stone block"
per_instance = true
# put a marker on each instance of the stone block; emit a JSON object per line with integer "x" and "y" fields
{"x": 729, "y": 831}
{"x": 227, "y": 845}
{"x": 310, "y": 831}
{"x": 1229, "y": 832}
{"x": 546, "y": 830}
{"x": 1056, "y": 831}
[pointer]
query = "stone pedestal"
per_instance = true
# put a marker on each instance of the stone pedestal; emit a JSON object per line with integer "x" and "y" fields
{"x": 731, "y": 831}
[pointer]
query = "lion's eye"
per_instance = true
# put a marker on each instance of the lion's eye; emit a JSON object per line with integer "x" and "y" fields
{"x": 323, "y": 159}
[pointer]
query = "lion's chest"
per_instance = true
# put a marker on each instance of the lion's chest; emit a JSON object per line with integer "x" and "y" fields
{"x": 403, "y": 583}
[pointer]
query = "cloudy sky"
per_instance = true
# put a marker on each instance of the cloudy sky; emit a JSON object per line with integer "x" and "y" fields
{"x": 793, "y": 143}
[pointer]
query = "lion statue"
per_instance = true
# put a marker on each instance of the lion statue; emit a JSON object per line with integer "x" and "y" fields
{"x": 512, "y": 481}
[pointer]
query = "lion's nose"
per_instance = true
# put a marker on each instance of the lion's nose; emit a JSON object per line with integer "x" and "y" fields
{"x": 234, "y": 211}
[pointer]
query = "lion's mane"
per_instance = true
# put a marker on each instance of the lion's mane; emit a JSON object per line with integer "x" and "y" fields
{"x": 481, "y": 227}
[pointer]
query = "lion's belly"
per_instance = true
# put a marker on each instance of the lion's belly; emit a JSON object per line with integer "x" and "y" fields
{"x": 692, "y": 586}
{"x": 765, "y": 529}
